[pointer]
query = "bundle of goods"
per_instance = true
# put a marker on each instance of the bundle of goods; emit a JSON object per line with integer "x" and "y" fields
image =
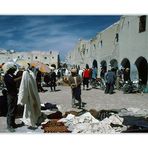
{"x": 65, "y": 81}
{"x": 56, "y": 115}
{"x": 70, "y": 112}
{"x": 55, "y": 127}
{"x": 102, "y": 114}
{"x": 75, "y": 113}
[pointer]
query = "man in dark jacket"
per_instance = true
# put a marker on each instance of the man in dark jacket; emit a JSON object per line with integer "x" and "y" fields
{"x": 52, "y": 80}
{"x": 110, "y": 81}
{"x": 10, "y": 82}
{"x": 39, "y": 80}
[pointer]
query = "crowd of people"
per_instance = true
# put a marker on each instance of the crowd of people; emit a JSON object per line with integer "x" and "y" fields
{"x": 23, "y": 87}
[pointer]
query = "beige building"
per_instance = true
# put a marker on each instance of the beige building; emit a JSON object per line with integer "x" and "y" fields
{"x": 133, "y": 44}
{"x": 99, "y": 51}
{"x": 123, "y": 43}
{"x": 46, "y": 57}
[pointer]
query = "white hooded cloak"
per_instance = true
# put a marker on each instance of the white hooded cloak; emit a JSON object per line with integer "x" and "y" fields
{"x": 29, "y": 97}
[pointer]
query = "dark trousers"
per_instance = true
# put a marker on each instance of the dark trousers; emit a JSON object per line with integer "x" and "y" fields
{"x": 53, "y": 86}
{"x": 40, "y": 88}
{"x": 85, "y": 82}
{"x": 76, "y": 95}
{"x": 109, "y": 88}
{"x": 12, "y": 106}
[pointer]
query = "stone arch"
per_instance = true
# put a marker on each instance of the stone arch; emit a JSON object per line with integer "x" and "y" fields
{"x": 87, "y": 66}
{"x": 104, "y": 65}
{"x": 95, "y": 63}
{"x": 53, "y": 65}
{"x": 125, "y": 63}
{"x": 114, "y": 63}
{"x": 142, "y": 67}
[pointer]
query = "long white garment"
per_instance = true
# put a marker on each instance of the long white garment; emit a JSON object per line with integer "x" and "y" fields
{"x": 29, "y": 97}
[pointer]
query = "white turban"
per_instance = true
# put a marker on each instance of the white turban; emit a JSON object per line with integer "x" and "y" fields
{"x": 7, "y": 66}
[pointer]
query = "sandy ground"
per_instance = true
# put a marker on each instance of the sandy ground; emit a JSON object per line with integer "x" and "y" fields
{"x": 95, "y": 99}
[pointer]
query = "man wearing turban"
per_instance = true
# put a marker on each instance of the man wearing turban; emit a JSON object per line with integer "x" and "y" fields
{"x": 10, "y": 80}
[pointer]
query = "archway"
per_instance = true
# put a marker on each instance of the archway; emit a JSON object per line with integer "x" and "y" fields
{"x": 87, "y": 66}
{"x": 103, "y": 65}
{"x": 95, "y": 63}
{"x": 125, "y": 63}
{"x": 142, "y": 67}
{"x": 103, "y": 69}
{"x": 53, "y": 65}
{"x": 114, "y": 63}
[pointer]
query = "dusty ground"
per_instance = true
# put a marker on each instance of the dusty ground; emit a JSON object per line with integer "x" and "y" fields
{"x": 95, "y": 99}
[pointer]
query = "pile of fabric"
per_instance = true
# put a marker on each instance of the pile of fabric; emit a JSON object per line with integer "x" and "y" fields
{"x": 93, "y": 121}
{"x": 86, "y": 123}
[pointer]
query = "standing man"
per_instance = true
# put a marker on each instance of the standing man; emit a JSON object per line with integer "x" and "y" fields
{"x": 39, "y": 80}
{"x": 110, "y": 81}
{"x": 75, "y": 83}
{"x": 52, "y": 80}
{"x": 10, "y": 82}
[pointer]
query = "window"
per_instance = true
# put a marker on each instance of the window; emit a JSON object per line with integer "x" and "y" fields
{"x": 18, "y": 57}
{"x": 50, "y": 52}
{"x": 83, "y": 50}
{"x": 36, "y": 57}
{"x": 28, "y": 57}
{"x": 101, "y": 43}
{"x": 52, "y": 57}
{"x": 142, "y": 23}
{"x": 128, "y": 23}
{"x": 117, "y": 37}
{"x": 45, "y": 57}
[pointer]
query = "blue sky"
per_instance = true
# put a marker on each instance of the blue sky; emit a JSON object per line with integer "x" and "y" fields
{"x": 26, "y": 33}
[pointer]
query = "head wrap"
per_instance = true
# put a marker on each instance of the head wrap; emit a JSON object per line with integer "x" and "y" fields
{"x": 7, "y": 66}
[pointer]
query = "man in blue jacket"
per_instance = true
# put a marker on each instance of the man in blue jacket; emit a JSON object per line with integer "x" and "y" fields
{"x": 110, "y": 81}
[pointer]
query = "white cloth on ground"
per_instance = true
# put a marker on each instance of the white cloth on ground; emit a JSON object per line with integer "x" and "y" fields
{"x": 86, "y": 123}
{"x": 29, "y": 97}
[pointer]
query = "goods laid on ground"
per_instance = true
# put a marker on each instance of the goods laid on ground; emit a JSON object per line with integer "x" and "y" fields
{"x": 130, "y": 120}
{"x": 86, "y": 123}
{"x": 54, "y": 127}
